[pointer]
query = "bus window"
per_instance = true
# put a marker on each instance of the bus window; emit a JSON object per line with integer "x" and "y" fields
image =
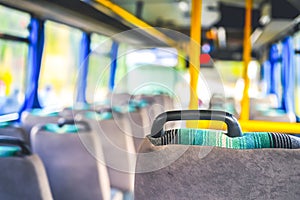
{"x": 149, "y": 71}
{"x": 121, "y": 71}
{"x": 99, "y": 66}
{"x": 13, "y": 56}
{"x": 229, "y": 74}
{"x": 60, "y": 65}
{"x": 12, "y": 65}
{"x": 14, "y": 22}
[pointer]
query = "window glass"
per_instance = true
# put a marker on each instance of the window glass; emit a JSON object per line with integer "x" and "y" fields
{"x": 121, "y": 72}
{"x": 13, "y": 57}
{"x": 154, "y": 56}
{"x": 229, "y": 78}
{"x": 14, "y": 22}
{"x": 99, "y": 66}
{"x": 57, "y": 85}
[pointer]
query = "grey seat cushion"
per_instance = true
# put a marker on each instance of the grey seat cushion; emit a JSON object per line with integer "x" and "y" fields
{"x": 201, "y": 172}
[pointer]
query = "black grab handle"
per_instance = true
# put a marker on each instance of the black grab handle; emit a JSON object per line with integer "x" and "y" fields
{"x": 8, "y": 140}
{"x": 62, "y": 121}
{"x": 104, "y": 109}
{"x": 233, "y": 126}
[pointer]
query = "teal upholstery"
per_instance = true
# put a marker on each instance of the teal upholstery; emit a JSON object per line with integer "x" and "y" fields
{"x": 4, "y": 124}
{"x": 41, "y": 112}
{"x": 54, "y": 128}
{"x": 98, "y": 116}
{"x": 216, "y": 138}
{"x": 7, "y": 151}
{"x": 125, "y": 108}
{"x": 141, "y": 103}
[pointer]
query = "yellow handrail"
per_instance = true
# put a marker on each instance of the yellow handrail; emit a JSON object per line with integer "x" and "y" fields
{"x": 266, "y": 126}
{"x": 128, "y": 17}
{"x": 254, "y": 126}
{"x": 194, "y": 62}
{"x": 247, "y": 58}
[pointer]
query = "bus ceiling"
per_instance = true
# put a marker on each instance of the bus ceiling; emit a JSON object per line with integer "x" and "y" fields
{"x": 80, "y": 15}
{"x": 270, "y": 19}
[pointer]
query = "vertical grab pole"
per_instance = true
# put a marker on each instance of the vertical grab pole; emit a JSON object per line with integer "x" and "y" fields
{"x": 247, "y": 58}
{"x": 35, "y": 54}
{"x": 85, "y": 47}
{"x": 194, "y": 63}
{"x": 113, "y": 65}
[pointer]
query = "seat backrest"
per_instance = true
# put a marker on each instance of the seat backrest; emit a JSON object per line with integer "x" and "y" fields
{"x": 135, "y": 113}
{"x": 157, "y": 104}
{"x": 138, "y": 126}
{"x": 71, "y": 112}
{"x": 14, "y": 131}
{"x": 31, "y": 118}
{"x": 22, "y": 175}
{"x": 70, "y": 157}
{"x": 117, "y": 99}
{"x": 119, "y": 151}
{"x": 203, "y": 172}
{"x": 168, "y": 102}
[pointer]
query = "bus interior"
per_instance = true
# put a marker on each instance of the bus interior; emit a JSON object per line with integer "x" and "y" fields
{"x": 160, "y": 99}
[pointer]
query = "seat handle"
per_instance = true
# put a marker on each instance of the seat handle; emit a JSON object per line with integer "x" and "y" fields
{"x": 8, "y": 140}
{"x": 62, "y": 121}
{"x": 104, "y": 109}
{"x": 233, "y": 126}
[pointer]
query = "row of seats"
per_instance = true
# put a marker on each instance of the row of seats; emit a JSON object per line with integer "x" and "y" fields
{"x": 103, "y": 154}
{"x": 90, "y": 153}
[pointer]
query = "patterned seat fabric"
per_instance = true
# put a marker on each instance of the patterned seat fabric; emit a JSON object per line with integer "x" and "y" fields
{"x": 252, "y": 140}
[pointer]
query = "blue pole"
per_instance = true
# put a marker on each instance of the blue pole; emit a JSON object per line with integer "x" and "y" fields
{"x": 113, "y": 65}
{"x": 84, "y": 65}
{"x": 288, "y": 75}
{"x": 35, "y": 53}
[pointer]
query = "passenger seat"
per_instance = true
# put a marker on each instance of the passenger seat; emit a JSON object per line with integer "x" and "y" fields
{"x": 114, "y": 133}
{"x": 211, "y": 164}
{"x": 70, "y": 151}
{"x": 22, "y": 174}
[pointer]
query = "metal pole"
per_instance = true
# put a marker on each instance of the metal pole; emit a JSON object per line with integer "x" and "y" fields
{"x": 247, "y": 58}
